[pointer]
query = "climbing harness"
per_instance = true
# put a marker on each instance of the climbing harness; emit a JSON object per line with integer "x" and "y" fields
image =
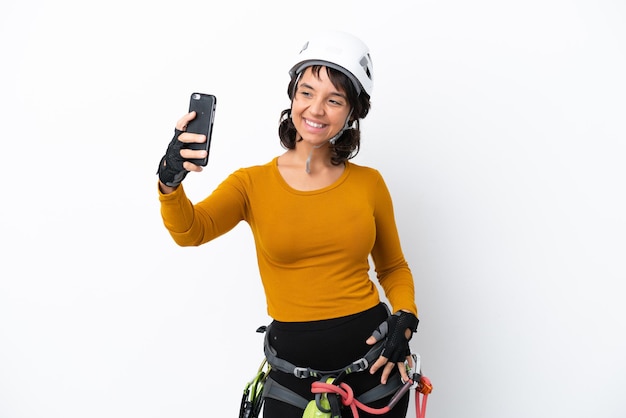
{"x": 324, "y": 406}
{"x": 304, "y": 372}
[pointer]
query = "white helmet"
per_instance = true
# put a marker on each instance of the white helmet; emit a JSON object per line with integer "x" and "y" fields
{"x": 340, "y": 51}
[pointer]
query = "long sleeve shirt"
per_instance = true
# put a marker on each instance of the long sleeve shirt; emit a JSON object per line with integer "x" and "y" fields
{"x": 313, "y": 247}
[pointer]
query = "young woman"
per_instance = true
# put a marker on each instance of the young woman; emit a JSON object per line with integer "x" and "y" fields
{"x": 316, "y": 219}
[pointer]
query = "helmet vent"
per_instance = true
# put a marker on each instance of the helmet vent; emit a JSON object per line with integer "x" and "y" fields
{"x": 366, "y": 63}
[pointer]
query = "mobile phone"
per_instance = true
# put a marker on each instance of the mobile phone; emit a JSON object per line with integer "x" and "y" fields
{"x": 204, "y": 106}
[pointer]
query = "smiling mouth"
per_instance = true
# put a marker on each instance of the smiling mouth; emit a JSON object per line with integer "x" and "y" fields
{"x": 313, "y": 124}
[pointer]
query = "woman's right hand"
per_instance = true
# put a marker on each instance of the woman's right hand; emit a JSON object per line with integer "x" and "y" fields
{"x": 174, "y": 165}
{"x": 188, "y": 138}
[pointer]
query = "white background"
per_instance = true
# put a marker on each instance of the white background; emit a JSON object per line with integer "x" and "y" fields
{"x": 499, "y": 128}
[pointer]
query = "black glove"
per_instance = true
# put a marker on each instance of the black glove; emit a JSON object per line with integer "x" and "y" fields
{"x": 171, "y": 171}
{"x": 396, "y": 347}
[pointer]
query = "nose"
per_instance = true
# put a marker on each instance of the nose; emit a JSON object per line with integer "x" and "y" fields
{"x": 317, "y": 106}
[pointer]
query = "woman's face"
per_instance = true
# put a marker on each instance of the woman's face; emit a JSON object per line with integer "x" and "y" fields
{"x": 319, "y": 110}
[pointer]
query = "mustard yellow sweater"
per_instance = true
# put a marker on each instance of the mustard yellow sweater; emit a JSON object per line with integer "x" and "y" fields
{"x": 312, "y": 247}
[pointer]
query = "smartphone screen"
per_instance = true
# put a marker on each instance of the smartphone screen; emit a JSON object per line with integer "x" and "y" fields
{"x": 204, "y": 106}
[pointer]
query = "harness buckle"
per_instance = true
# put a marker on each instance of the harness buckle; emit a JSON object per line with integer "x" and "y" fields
{"x": 359, "y": 365}
{"x": 301, "y": 372}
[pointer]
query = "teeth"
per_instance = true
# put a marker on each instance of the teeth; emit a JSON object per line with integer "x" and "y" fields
{"x": 313, "y": 124}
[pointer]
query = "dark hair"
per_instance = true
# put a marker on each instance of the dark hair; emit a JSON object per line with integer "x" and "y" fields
{"x": 348, "y": 144}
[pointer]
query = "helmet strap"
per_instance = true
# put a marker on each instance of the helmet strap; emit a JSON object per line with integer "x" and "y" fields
{"x": 347, "y": 125}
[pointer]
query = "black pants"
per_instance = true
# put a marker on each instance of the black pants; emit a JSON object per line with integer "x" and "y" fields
{"x": 328, "y": 345}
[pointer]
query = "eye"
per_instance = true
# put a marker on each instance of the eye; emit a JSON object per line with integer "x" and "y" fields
{"x": 336, "y": 102}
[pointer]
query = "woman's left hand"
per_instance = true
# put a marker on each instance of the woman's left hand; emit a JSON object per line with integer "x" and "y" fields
{"x": 397, "y": 330}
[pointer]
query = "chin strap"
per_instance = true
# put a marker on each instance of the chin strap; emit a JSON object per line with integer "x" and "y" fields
{"x": 332, "y": 141}
{"x": 307, "y": 168}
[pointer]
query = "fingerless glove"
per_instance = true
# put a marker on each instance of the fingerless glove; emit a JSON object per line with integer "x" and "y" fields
{"x": 396, "y": 346}
{"x": 171, "y": 171}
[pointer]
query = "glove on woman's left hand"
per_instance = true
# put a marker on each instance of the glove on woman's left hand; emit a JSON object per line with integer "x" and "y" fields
{"x": 398, "y": 330}
{"x": 396, "y": 347}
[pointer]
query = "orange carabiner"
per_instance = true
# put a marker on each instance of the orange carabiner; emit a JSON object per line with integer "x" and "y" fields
{"x": 424, "y": 386}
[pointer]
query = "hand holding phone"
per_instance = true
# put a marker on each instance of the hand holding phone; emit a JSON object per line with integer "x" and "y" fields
{"x": 204, "y": 106}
